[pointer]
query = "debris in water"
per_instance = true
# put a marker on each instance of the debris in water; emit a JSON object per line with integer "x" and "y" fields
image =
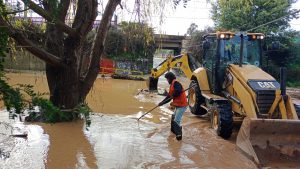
{"x": 128, "y": 77}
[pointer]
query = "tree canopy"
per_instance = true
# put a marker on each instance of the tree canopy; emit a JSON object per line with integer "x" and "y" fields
{"x": 192, "y": 29}
{"x": 130, "y": 41}
{"x": 243, "y": 15}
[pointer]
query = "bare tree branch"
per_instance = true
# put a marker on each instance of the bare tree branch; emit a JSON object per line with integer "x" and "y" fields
{"x": 50, "y": 18}
{"x": 31, "y": 47}
{"x": 15, "y": 12}
{"x": 64, "y": 6}
{"x": 98, "y": 47}
{"x": 85, "y": 16}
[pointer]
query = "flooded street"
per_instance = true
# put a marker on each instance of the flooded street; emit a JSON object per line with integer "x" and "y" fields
{"x": 115, "y": 138}
{"x": 165, "y": 84}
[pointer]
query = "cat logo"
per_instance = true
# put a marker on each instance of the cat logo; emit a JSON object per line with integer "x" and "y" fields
{"x": 266, "y": 85}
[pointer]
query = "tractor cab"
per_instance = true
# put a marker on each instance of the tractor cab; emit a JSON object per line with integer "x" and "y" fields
{"x": 224, "y": 48}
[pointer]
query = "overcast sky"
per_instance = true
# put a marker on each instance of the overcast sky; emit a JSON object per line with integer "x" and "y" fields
{"x": 176, "y": 22}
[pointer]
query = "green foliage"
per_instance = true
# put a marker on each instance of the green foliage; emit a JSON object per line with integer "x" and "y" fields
{"x": 242, "y": 15}
{"x": 294, "y": 64}
{"x": 34, "y": 32}
{"x": 281, "y": 56}
{"x": 2, "y": 7}
{"x": 130, "y": 41}
{"x": 84, "y": 110}
{"x": 11, "y": 97}
{"x": 287, "y": 56}
{"x": 192, "y": 29}
{"x": 294, "y": 84}
{"x": 47, "y": 112}
{"x": 3, "y": 40}
{"x": 295, "y": 53}
{"x": 3, "y": 47}
{"x": 114, "y": 44}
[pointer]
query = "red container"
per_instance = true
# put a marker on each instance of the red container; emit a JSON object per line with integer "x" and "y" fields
{"x": 107, "y": 66}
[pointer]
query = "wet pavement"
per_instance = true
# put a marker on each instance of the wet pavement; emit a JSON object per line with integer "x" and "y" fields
{"x": 15, "y": 152}
{"x": 115, "y": 138}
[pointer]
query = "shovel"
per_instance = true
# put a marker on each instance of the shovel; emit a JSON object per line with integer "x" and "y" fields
{"x": 158, "y": 105}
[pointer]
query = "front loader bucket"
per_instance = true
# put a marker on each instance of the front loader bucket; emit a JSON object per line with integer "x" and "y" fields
{"x": 261, "y": 138}
{"x": 152, "y": 83}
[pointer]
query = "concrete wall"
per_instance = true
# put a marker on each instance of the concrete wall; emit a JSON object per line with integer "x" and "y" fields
{"x": 23, "y": 60}
{"x": 140, "y": 66}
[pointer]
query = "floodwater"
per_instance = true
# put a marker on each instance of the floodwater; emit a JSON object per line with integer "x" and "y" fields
{"x": 115, "y": 139}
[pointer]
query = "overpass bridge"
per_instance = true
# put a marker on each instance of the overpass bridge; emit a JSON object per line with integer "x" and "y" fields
{"x": 162, "y": 41}
{"x": 171, "y": 42}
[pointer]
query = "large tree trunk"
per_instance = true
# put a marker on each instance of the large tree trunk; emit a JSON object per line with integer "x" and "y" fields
{"x": 63, "y": 52}
{"x": 64, "y": 85}
{"x": 67, "y": 86}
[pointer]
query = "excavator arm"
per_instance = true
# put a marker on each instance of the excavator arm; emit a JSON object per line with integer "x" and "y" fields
{"x": 183, "y": 62}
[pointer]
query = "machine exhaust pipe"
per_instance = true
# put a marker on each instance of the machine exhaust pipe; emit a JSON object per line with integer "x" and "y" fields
{"x": 283, "y": 81}
{"x": 241, "y": 50}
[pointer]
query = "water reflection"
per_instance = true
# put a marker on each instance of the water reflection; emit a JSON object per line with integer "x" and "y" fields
{"x": 69, "y": 148}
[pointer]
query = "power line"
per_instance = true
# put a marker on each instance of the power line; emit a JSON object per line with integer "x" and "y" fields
{"x": 273, "y": 21}
{"x": 179, "y": 17}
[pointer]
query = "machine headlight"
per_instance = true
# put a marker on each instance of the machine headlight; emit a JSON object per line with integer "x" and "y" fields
{"x": 262, "y": 37}
{"x": 222, "y": 36}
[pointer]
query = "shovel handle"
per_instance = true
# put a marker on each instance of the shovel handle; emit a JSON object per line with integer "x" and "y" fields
{"x": 158, "y": 105}
{"x": 148, "y": 112}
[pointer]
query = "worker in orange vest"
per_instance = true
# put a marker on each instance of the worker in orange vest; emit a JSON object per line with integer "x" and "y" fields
{"x": 180, "y": 103}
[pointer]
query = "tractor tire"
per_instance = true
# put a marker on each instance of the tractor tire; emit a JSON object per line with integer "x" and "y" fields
{"x": 221, "y": 120}
{"x": 195, "y": 99}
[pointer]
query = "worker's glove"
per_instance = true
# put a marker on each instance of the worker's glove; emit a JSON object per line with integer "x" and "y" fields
{"x": 165, "y": 93}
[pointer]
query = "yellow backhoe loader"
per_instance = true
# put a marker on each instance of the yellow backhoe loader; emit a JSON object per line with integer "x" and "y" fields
{"x": 231, "y": 87}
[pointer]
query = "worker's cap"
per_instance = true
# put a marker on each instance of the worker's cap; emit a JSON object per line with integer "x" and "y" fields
{"x": 170, "y": 76}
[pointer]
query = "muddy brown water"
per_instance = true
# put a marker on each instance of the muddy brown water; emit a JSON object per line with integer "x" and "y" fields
{"x": 115, "y": 139}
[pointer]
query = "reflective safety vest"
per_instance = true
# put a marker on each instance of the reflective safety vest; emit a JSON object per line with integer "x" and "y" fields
{"x": 179, "y": 101}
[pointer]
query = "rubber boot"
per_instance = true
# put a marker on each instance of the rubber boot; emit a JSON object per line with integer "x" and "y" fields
{"x": 177, "y": 131}
{"x": 172, "y": 123}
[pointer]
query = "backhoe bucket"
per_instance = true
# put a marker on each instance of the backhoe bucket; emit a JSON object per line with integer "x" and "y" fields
{"x": 152, "y": 83}
{"x": 270, "y": 138}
